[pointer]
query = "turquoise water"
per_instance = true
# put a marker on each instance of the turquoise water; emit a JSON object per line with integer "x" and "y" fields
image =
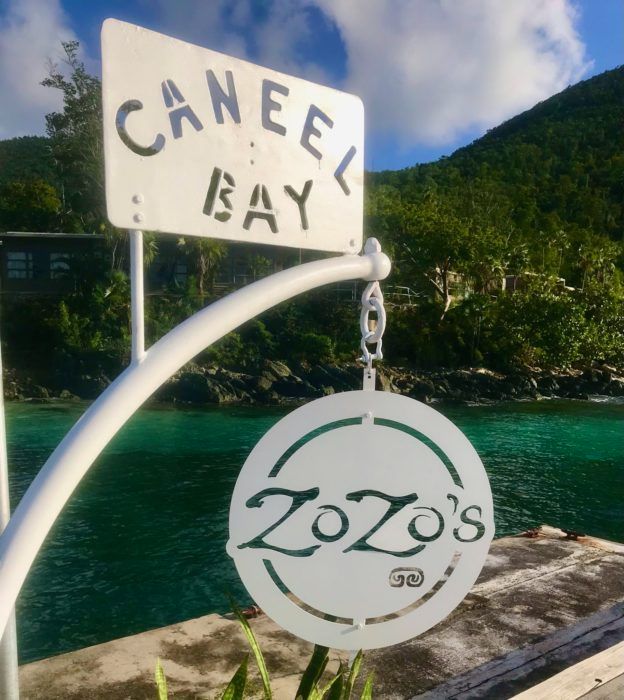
{"x": 142, "y": 542}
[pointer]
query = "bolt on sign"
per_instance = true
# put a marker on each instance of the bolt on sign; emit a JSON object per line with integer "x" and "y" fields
{"x": 361, "y": 520}
{"x": 200, "y": 143}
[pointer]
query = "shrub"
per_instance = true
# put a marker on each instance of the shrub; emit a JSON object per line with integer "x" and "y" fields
{"x": 338, "y": 687}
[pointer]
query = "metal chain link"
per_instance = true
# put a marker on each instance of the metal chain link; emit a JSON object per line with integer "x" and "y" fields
{"x": 372, "y": 300}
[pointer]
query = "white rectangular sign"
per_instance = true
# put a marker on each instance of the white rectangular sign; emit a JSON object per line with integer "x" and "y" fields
{"x": 199, "y": 143}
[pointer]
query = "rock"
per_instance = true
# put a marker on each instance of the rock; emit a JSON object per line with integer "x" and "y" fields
{"x": 606, "y": 375}
{"x": 217, "y": 392}
{"x": 236, "y": 381}
{"x": 191, "y": 387}
{"x": 591, "y": 376}
{"x": 66, "y": 395}
{"x": 88, "y": 386}
{"x": 604, "y": 367}
{"x": 455, "y": 394}
{"x": 296, "y": 388}
{"x": 519, "y": 383}
{"x": 311, "y": 392}
{"x": 616, "y": 386}
{"x": 491, "y": 386}
{"x": 547, "y": 385}
{"x": 319, "y": 376}
{"x": 275, "y": 369}
{"x": 273, "y": 398}
{"x": 12, "y": 391}
{"x": 384, "y": 382}
{"x": 441, "y": 389}
{"x": 404, "y": 382}
{"x": 422, "y": 390}
{"x": 345, "y": 379}
{"x": 262, "y": 383}
{"x": 566, "y": 383}
{"x": 301, "y": 368}
{"x": 275, "y": 383}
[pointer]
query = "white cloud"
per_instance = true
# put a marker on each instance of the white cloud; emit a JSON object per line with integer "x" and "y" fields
{"x": 272, "y": 38}
{"x": 429, "y": 70}
{"x": 31, "y": 32}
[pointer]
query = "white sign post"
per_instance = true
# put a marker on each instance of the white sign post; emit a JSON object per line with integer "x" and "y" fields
{"x": 372, "y": 510}
{"x": 199, "y": 143}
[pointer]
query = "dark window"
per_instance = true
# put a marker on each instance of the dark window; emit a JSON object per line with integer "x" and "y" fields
{"x": 180, "y": 272}
{"x": 19, "y": 266}
{"x": 59, "y": 265}
{"x": 241, "y": 271}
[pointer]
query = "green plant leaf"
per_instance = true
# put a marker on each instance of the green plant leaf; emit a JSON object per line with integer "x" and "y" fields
{"x": 313, "y": 672}
{"x": 236, "y": 687}
{"x": 336, "y": 682}
{"x": 367, "y": 691}
{"x": 315, "y": 694}
{"x": 161, "y": 681}
{"x": 353, "y": 674}
{"x": 255, "y": 648}
{"x": 337, "y": 686}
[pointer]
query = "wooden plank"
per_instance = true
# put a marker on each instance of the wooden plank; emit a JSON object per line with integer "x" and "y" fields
{"x": 560, "y": 647}
{"x": 578, "y": 680}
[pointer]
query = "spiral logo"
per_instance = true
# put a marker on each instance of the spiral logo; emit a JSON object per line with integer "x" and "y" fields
{"x": 412, "y": 577}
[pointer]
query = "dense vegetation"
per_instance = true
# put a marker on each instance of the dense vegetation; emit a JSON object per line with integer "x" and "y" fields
{"x": 539, "y": 198}
{"x": 557, "y": 166}
{"x": 537, "y": 202}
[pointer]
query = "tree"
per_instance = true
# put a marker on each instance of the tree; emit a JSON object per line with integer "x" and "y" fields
{"x": 447, "y": 249}
{"x": 208, "y": 256}
{"x": 597, "y": 258}
{"x": 29, "y": 205}
{"x": 76, "y": 143}
{"x": 559, "y": 241}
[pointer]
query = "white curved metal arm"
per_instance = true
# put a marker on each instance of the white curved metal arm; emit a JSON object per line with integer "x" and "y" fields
{"x": 70, "y": 461}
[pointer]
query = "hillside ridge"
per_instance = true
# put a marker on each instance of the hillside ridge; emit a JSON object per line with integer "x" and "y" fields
{"x": 557, "y": 165}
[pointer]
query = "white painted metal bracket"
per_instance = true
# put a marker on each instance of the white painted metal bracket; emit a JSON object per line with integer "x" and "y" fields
{"x": 70, "y": 461}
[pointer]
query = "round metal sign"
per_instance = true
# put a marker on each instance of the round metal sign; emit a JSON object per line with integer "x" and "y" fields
{"x": 361, "y": 520}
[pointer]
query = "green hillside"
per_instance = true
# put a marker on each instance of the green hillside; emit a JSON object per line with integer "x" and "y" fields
{"x": 538, "y": 200}
{"x": 557, "y": 165}
{"x": 26, "y": 157}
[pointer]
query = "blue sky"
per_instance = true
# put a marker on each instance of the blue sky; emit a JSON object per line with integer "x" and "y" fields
{"x": 433, "y": 74}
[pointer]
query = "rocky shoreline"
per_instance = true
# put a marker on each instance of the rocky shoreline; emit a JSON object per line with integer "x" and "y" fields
{"x": 274, "y": 383}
